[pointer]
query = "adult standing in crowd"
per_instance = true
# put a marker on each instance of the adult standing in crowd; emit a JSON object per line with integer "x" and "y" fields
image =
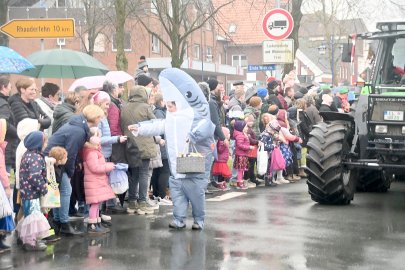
{"x": 64, "y": 111}
{"x": 72, "y": 136}
{"x": 139, "y": 150}
{"x": 23, "y": 105}
{"x": 47, "y": 101}
{"x": 311, "y": 110}
{"x": 272, "y": 87}
{"x": 7, "y": 114}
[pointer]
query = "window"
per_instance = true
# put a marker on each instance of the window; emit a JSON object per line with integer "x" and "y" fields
{"x": 155, "y": 44}
{"x": 153, "y": 6}
{"x": 186, "y": 51}
{"x": 209, "y": 54}
{"x": 219, "y": 58}
{"x": 99, "y": 43}
{"x": 196, "y": 51}
{"x": 232, "y": 28}
{"x": 127, "y": 43}
{"x": 239, "y": 61}
{"x": 208, "y": 25}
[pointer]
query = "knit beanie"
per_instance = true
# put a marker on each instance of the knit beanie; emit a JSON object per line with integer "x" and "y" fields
{"x": 272, "y": 85}
{"x": 213, "y": 83}
{"x": 100, "y": 97}
{"x": 144, "y": 80}
{"x": 262, "y": 92}
{"x": 142, "y": 64}
{"x": 239, "y": 125}
{"x": 255, "y": 101}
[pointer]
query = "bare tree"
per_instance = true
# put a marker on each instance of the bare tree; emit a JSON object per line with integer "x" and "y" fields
{"x": 123, "y": 10}
{"x": 3, "y": 20}
{"x": 297, "y": 16}
{"x": 179, "y": 19}
{"x": 95, "y": 19}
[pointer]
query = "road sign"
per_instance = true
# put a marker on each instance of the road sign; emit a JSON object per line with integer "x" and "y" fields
{"x": 40, "y": 28}
{"x": 278, "y": 24}
{"x": 278, "y": 51}
{"x": 261, "y": 67}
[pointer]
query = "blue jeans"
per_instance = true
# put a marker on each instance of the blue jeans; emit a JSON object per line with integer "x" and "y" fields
{"x": 187, "y": 190}
{"x": 62, "y": 214}
{"x": 209, "y": 159}
{"x": 138, "y": 182}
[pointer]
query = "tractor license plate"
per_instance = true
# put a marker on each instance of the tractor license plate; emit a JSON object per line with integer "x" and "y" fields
{"x": 394, "y": 115}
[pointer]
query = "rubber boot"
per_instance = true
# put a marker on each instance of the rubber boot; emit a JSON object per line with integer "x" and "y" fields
{"x": 101, "y": 227}
{"x": 68, "y": 230}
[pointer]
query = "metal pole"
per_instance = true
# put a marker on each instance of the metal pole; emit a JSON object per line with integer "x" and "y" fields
{"x": 202, "y": 56}
{"x": 333, "y": 59}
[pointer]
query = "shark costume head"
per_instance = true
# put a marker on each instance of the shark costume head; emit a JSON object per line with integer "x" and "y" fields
{"x": 191, "y": 120}
{"x": 178, "y": 86}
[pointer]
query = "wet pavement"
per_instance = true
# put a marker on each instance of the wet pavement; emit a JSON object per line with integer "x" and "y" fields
{"x": 266, "y": 228}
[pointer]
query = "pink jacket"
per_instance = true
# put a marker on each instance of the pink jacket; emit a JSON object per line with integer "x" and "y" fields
{"x": 242, "y": 145}
{"x": 96, "y": 185}
{"x": 288, "y": 136}
{"x": 3, "y": 173}
{"x": 223, "y": 151}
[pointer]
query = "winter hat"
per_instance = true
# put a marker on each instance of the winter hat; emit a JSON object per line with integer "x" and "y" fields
{"x": 239, "y": 125}
{"x": 344, "y": 90}
{"x": 274, "y": 124}
{"x": 269, "y": 79}
{"x": 100, "y": 97}
{"x": 273, "y": 109}
{"x": 212, "y": 83}
{"x": 142, "y": 64}
{"x": 272, "y": 85}
{"x": 262, "y": 92}
{"x": 3, "y": 129}
{"x": 144, "y": 80}
{"x": 292, "y": 113}
{"x": 205, "y": 89}
{"x": 34, "y": 140}
{"x": 255, "y": 101}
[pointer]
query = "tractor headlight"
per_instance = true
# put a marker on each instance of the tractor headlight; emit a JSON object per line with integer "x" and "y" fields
{"x": 382, "y": 129}
{"x": 403, "y": 129}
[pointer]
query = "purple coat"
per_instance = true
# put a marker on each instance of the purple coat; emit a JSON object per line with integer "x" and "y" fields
{"x": 242, "y": 145}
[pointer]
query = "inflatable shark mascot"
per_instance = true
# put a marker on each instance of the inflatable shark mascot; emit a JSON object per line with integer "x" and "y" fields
{"x": 191, "y": 121}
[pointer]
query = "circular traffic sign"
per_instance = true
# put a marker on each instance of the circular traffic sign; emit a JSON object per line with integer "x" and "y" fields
{"x": 278, "y": 24}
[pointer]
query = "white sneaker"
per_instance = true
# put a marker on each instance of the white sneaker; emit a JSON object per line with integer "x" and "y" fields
{"x": 277, "y": 182}
{"x": 250, "y": 184}
{"x": 105, "y": 217}
{"x": 282, "y": 180}
{"x": 152, "y": 204}
{"x": 165, "y": 202}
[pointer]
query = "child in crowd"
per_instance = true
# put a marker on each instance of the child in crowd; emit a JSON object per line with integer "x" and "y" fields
{"x": 220, "y": 168}
{"x": 96, "y": 185}
{"x": 60, "y": 155}
{"x": 242, "y": 147}
{"x": 33, "y": 185}
{"x": 6, "y": 223}
{"x": 252, "y": 156}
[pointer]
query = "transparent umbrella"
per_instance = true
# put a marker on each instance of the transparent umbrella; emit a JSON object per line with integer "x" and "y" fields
{"x": 12, "y": 62}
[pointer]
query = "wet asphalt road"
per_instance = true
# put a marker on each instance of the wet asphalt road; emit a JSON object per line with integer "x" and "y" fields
{"x": 268, "y": 228}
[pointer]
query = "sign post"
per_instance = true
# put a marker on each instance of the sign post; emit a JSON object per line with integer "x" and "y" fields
{"x": 278, "y": 51}
{"x": 40, "y": 28}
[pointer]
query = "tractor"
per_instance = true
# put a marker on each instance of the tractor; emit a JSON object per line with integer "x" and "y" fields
{"x": 364, "y": 150}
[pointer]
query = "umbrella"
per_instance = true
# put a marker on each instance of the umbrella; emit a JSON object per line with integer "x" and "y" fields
{"x": 88, "y": 82}
{"x": 118, "y": 76}
{"x": 64, "y": 63}
{"x": 12, "y": 62}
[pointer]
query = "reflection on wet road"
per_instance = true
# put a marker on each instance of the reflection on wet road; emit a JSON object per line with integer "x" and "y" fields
{"x": 268, "y": 228}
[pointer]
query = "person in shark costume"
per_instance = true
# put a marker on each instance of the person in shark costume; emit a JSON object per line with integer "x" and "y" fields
{"x": 191, "y": 121}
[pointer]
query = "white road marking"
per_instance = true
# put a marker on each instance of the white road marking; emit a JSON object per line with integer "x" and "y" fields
{"x": 226, "y": 196}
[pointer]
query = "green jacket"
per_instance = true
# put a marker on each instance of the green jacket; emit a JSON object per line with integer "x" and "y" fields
{"x": 256, "y": 113}
{"x": 137, "y": 110}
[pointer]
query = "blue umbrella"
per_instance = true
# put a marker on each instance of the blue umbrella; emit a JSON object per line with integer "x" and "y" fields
{"x": 12, "y": 62}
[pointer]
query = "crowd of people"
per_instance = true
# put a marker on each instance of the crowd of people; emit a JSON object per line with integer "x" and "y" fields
{"x": 80, "y": 140}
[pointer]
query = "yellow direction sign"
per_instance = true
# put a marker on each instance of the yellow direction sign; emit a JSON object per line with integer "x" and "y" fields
{"x": 40, "y": 28}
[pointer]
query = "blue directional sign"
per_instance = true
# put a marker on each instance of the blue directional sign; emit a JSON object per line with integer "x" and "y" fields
{"x": 261, "y": 67}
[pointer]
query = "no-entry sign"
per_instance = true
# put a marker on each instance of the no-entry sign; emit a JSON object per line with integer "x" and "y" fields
{"x": 278, "y": 24}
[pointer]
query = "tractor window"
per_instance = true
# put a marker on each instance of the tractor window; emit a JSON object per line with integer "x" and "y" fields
{"x": 395, "y": 64}
{"x": 398, "y": 52}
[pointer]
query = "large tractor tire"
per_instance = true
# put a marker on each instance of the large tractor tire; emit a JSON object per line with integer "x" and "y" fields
{"x": 374, "y": 181}
{"x": 330, "y": 181}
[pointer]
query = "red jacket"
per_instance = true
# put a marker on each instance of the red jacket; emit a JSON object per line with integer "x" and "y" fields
{"x": 242, "y": 145}
{"x": 223, "y": 151}
{"x": 96, "y": 185}
{"x": 114, "y": 119}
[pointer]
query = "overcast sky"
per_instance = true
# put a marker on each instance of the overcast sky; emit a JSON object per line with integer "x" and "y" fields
{"x": 371, "y": 11}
